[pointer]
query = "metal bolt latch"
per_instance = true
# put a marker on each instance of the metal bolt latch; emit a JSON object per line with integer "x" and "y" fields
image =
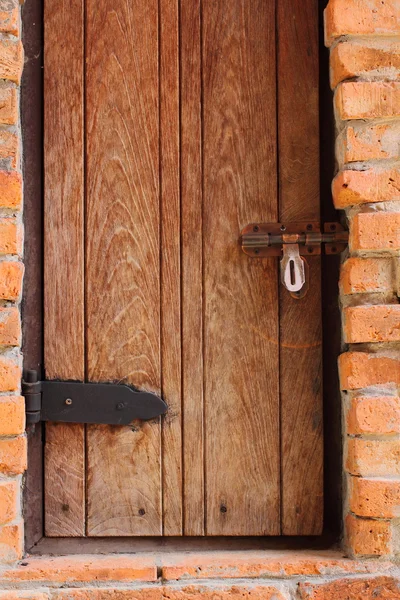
{"x": 292, "y": 242}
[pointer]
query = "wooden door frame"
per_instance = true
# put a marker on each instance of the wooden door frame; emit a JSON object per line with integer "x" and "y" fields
{"x": 32, "y": 303}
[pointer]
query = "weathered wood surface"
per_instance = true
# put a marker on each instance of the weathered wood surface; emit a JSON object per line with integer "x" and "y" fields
{"x": 64, "y": 256}
{"x": 123, "y": 258}
{"x": 188, "y": 140}
{"x": 300, "y": 321}
{"x": 240, "y": 294}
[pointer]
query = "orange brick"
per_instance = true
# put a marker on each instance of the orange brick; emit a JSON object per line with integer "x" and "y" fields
{"x": 10, "y": 326}
{"x": 10, "y": 189}
{"x": 11, "y": 542}
{"x": 9, "y": 17}
{"x": 361, "y": 369}
{"x": 10, "y": 236}
{"x": 207, "y": 591}
{"x": 84, "y": 569}
{"x": 366, "y": 537}
{"x": 357, "y": 17}
{"x": 379, "y": 415}
{"x": 11, "y": 274}
{"x": 12, "y": 415}
{"x": 373, "y": 588}
{"x": 368, "y": 57}
{"x": 361, "y": 141}
{"x": 8, "y": 106}
{"x": 9, "y": 501}
{"x": 11, "y": 60}
{"x": 375, "y": 231}
{"x": 361, "y": 275}
{"x": 9, "y": 148}
{"x": 13, "y": 455}
{"x": 374, "y": 498}
{"x": 10, "y": 375}
{"x": 376, "y": 323}
{"x": 367, "y": 99}
{"x": 371, "y": 185}
{"x": 373, "y": 458}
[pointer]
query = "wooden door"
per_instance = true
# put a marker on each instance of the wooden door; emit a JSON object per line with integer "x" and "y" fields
{"x": 169, "y": 126}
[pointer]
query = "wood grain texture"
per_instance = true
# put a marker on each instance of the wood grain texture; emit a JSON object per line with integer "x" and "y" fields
{"x": 241, "y": 296}
{"x": 123, "y": 256}
{"x": 64, "y": 254}
{"x": 170, "y": 268}
{"x": 191, "y": 236}
{"x": 300, "y": 321}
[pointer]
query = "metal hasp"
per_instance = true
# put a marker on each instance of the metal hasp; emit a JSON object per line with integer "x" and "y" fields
{"x": 75, "y": 402}
{"x": 293, "y": 241}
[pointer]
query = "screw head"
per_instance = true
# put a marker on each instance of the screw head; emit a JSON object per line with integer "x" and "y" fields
{"x": 283, "y": 228}
{"x": 142, "y": 512}
{"x": 309, "y": 227}
{"x": 223, "y": 508}
{"x": 68, "y": 402}
{"x": 256, "y": 251}
{"x": 256, "y": 228}
{"x": 120, "y": 406}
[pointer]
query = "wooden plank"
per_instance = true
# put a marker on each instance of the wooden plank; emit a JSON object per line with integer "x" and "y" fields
{"x": 170, "y": 269}
{"x": 191, "y": 240}
{"x": 241, "y": 296}
{"x": 123, "y": 255}
{"x": 63, "y": 256}
{"x": 300, "y": 325}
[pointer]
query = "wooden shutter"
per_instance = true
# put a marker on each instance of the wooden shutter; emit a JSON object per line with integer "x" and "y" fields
{"x": 169, "y": 126}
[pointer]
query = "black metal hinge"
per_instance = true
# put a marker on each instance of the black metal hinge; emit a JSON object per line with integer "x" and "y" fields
{"x": 76, "y": 402}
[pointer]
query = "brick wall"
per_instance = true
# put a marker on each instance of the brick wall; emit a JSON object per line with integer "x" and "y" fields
{"x": 12, "y": 410}
{"x": 364, "y": 38}
{"x": 365, "y": 73}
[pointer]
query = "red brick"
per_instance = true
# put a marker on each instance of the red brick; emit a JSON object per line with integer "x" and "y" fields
{"x": 367, "y": 100}
{"x": 13, "y": 455}
{"x": 357, "y": 17}
{"x": 374, "y": 588}
{"x": 11, "y": 60}
{"x": 368, "y": 57}
{"x": 11, "y": 542}
{"x": 376, "y": 323}
{"x": 10, "y": 189}
{"x": 375, "y": 231}
{"x": 9, "y": 500}
{"x": 362, "y": 369}
{"x": 12, "y": 415}
{"x": 375, "y": 498}
{"x": 379, "y": 415}
{"x": 195, "y": 592}
{"x": 367, "y": 537}
{"x": 10, "y": 375}
{"x": 8, "y": 106}
{"x": 373, "y": 458}
{"x": 361, "y": 275}
{"x": 10, "y": 236}
{"x": 10, "y": 326}
{"x": 9, "y": 17}
{"x": 11, "y": 274}
{"x": 376, "y": 184}
{"x": 360, "y": 141}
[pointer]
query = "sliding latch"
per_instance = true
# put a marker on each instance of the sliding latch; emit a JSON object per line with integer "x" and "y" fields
{"x": 293, "y": 241}
{"x": 76, "y": 402}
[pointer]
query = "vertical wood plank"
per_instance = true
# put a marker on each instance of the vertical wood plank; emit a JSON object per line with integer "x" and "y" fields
{"x": 123, "y": 257}
{"x": 300, "y": 324}
{"x": 64, "y": 256}
{"x": 170, "y": 268}
{"x": 191, "y": 236}
{"x": 241, "y": 298}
